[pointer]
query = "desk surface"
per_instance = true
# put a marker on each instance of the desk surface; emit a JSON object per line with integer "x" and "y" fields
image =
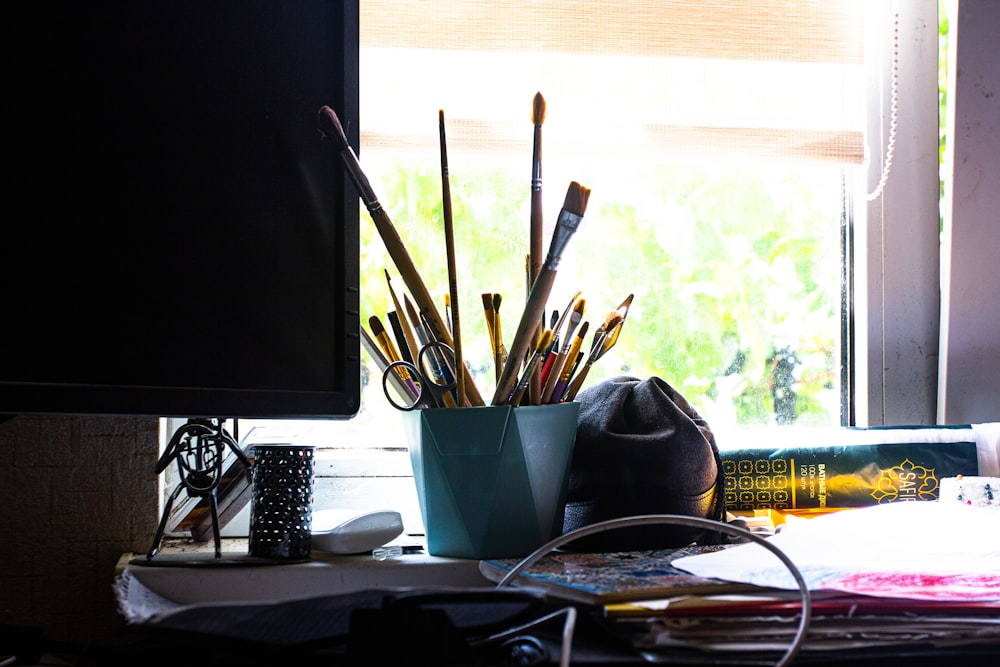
{"x": 323, "y": 574}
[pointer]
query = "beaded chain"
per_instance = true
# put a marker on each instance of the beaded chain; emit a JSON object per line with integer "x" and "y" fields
{"x": 976, "y": 491}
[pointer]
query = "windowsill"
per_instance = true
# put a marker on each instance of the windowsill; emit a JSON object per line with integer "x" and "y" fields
{"x": 324, "y": 574}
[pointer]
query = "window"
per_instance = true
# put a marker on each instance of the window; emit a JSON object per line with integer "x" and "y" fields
{"x": 717, "y": 174}
{"x": 725, "y": 191}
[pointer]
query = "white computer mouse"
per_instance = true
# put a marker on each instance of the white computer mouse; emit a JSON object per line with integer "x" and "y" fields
{"x": 352, "y": 531}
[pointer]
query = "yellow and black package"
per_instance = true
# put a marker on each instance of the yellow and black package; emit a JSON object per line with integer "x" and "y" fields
{"x": 843, "y": 476}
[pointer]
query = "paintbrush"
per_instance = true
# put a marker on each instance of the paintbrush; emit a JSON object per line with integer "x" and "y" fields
{"x": 535, "y": 248}
{"x": 564, "y": 374}
{"x": 488, "y": 314}
{"x": 411, "y": 342}
{"x": 395, "y": 323}
{"x": 529, "y": 370}
{"x": 555, "y": 324}
{"x": 604, "y": 339}
{"x": 389, "y": 349}
{"x": 570, "y": 216}
{"x": 535, "y": 244}
{"x": 330, "y": 128}
{"x": 382, "y": 363}
{"x": 438, "y": 364}
{"x": 500, "y": 353}
{"x": 447, "y": 313}
{"x": 418, "y": 328}
{"x": 565, "y": 352}
{"x": 449, "y": 239}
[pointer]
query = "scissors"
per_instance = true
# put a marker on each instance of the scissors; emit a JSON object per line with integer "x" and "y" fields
{"x": 422, "y": 388}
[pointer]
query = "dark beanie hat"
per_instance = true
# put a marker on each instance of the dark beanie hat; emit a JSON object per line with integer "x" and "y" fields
{"x": 641, "y": 449}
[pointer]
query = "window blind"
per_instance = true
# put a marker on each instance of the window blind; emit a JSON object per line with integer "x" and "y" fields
{"x": 640, "y": 80}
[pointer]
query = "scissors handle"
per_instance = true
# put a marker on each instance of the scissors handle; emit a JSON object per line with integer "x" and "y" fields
{"x": 405, "y": 393}
{"x": 441, "y": 379}
{"x": 428, "y": 383}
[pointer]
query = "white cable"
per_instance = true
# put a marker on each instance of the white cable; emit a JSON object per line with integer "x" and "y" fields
{"x": 890, "y": 147}
{"x": 680, "y": 520}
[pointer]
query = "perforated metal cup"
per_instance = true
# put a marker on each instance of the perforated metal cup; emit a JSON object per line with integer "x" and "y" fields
{"x": 281, "y": 505}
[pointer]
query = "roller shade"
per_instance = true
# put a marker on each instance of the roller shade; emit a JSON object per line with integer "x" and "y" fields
{"x": 710, "y": 79}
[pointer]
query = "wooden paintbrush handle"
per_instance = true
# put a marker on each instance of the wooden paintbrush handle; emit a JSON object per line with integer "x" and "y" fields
{"x": 530, "y": 318}
{"x": 415, "y": 284}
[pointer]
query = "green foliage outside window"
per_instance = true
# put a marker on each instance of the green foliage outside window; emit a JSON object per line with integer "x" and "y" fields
{"x": 735, "y": 271}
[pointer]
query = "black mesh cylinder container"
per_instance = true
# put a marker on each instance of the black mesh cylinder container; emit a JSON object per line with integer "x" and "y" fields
{"x": 281, "y": 505}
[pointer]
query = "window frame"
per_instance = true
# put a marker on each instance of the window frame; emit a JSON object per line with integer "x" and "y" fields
{"x": 896, "y": 253}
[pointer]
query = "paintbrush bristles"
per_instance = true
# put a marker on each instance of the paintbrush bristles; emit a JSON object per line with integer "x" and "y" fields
{"x": 576, "y": 199}
{"x": 330, "y": 127}
{"x": 376, "y": 325}
{"x": 538, "y": 109}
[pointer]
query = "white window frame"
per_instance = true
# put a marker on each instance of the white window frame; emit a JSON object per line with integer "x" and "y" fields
{"x": 897, "y": 247}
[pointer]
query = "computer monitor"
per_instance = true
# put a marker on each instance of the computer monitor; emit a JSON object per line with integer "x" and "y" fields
{"x": 179, "y": 241}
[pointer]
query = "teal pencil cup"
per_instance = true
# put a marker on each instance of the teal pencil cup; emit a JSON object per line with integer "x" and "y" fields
{"x": 491, "y": 481}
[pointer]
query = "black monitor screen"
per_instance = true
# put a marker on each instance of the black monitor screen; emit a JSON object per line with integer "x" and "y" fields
{"x": 179, "y": 241}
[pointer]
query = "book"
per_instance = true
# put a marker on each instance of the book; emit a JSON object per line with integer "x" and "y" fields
{"x": 842, "y": 476}
{"x": 610, "y": 577}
